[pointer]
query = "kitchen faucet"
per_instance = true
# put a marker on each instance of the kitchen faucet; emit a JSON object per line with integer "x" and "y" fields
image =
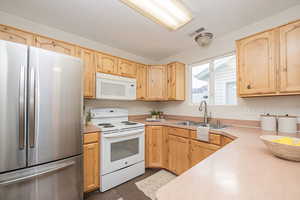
{"x": 205, "y": 115}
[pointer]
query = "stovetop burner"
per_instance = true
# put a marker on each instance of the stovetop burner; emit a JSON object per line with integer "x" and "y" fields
{"x": 105, "y": 124}
{"x": 108, "y": 126}
{"x": 128, "y": 123}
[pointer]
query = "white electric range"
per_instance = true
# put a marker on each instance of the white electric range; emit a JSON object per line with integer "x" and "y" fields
{"x": 122, "y": 146}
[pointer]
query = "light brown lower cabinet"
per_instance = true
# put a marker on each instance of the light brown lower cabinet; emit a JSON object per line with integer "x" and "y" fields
{"x": 177, "y": 149}
{"x": 200, "y": 151}
{"x": 225, "y": 140}
{"x": 91, "y": 179}
{"x": 156, "y": 147}
{"x": 178, "y": 154}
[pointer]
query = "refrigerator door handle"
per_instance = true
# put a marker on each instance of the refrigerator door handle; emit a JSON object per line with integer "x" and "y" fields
{"x": 32, "y": 176}
{"x": 32, "y": 91}
{"x": 22, "y": 84}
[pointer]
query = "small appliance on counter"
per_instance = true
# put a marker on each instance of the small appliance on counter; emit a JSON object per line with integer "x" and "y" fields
{"x": 268, "y": 122}
{"x": 122, "y": 146}
{"x": 287, "y": 124}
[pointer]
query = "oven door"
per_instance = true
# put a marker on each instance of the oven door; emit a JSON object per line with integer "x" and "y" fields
{"x": 121, "y": 149}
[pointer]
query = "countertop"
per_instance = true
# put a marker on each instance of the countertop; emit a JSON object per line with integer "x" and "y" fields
{"x": 90, "y": 129}
{"x": 241, "y": 170}
{"x": 172, "y": 123}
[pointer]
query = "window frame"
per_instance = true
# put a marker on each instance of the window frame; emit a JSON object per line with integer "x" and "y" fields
{"x": 210, "y": 61}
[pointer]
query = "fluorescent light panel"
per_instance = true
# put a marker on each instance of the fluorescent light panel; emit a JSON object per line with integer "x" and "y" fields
{"x": 170, "y": 13}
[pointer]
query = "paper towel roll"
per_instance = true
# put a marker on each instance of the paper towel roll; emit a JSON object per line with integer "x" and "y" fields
{"x": 287, "y": 124}
{"x": 268, "y": 122}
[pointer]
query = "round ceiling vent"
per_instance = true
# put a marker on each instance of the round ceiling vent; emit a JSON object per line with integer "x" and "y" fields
{"x": 204, "y": 39}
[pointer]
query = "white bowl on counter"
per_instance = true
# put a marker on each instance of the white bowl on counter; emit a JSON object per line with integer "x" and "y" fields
{"x": 285, "y": 151}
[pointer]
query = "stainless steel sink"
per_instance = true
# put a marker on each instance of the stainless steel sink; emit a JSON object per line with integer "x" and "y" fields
{"x": 192, "y": 123}
{"x": 216, "y": 126}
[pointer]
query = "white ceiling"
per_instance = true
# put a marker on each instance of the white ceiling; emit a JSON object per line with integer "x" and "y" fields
{"x": 112, "y": 23}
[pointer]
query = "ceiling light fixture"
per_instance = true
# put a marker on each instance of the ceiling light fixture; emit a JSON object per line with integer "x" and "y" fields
{"x": 170, "y": 13}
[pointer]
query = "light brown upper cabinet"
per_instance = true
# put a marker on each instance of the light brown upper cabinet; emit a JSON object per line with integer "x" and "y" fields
{"x": 141, "y": 82}
{"x": 257, "y": 66}
{"x": 88, "y": 57}
{"x": 176, "y": 81}
{"x": 269, "y": 62}
{"x": 127, "y": 68}
{"x": 106, "y": 63}
{"x": 157, "y": 83}
{"x": 290, "y": 58}
{"x": 54, "y": 45}
{"x": 15, "y": 35}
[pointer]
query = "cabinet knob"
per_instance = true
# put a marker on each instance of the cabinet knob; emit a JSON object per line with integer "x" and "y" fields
{"x": 285, "y": 69}
{"x": 248, "y": 86}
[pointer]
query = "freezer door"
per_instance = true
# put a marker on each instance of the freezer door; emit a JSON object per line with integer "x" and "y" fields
{"x": 13, "y": 64}
{"x": 54, "y": 181}
{"x": 55, "y": 106}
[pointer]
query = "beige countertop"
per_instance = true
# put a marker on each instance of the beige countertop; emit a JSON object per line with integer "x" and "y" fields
{"x": 242, "y": 170}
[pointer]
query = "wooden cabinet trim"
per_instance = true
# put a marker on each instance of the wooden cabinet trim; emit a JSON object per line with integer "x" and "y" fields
{"x": 54, "y": 45}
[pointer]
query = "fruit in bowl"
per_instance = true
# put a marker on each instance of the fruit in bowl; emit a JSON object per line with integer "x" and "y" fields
{"x": 284, "y": 147}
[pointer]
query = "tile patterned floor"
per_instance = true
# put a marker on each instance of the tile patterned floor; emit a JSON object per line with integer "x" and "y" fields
{"x": 126, "y": 191}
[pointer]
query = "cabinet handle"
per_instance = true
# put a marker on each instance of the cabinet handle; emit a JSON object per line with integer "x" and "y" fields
{"x": 284, "y": 69}
{"x": 248, "y": 86}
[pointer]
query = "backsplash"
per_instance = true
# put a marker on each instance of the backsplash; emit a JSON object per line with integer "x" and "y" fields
{"x": 247, "y": 109}
{"x": 134, "y": 107}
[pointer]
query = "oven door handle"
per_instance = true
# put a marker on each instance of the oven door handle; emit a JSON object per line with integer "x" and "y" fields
{"x": 118, "y": 135}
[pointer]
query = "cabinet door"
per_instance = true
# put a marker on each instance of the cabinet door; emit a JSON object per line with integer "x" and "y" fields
{"x": 89, "y": 72}
{"x": 178, "y": 153}
{"x": 200, "y": 151}
{"x": 15, "y": 35}
{"x": 106, "y": 63}
{"x": 127, "y": 68}
{"x": 54, "y": 45}
{"x": 157, "y": 83}
{"x": 225, "y": 140}
{"x": 176, "y": 81}
{"x": 171, "y": 81}
{"x": 141, "y": 80}
{"x": 155, "y": 146}
{"x": 257, "y": 64}
{"x": 289, "y": 58}
{"x": 91, "y": 166}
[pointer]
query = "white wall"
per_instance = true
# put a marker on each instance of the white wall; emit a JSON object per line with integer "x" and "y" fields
{"x": 247, "y": 108}
{"x": 12, "y": 20}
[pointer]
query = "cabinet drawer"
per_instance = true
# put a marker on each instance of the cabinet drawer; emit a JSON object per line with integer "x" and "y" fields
{"x": 215, "y": 139}
{"x": 178, "y": 131}
{"x": 91, "y": 137}
{"x": 206, "y": 145}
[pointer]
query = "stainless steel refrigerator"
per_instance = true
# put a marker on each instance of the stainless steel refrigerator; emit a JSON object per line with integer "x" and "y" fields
{"x": 40, "y": 124}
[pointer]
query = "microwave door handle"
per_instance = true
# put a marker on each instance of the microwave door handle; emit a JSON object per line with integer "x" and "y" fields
{"x": 118, "y": 135}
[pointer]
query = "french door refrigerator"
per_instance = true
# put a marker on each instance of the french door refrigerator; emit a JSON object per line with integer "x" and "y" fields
{"x": 40, "y": 124}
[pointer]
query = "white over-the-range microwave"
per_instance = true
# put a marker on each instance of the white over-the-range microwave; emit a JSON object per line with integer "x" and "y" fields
{"x": 115, "y": 87}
